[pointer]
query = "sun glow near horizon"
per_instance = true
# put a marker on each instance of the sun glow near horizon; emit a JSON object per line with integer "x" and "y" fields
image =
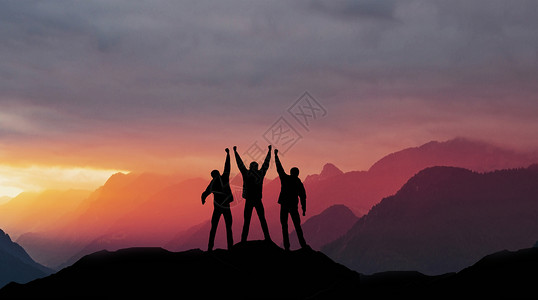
{"x": 36, "y": 178}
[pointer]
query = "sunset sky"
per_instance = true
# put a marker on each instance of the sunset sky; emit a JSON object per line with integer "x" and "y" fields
{"x": 89, "y": 88}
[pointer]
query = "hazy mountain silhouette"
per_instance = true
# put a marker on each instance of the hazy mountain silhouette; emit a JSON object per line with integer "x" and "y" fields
{"x": 326, "y": 227}
{"x": 153, "y": 223}
{"x": 16, "y": 265}
{"x": 120, "y": 195}
{"x": 442, "y": 220}
{"x": 256, "y": 269}
{"x": 94, "y": 216}
{"x": 34, "y": 212}
{"x": 360, "y": 190}
{"x": 149, "y": 209}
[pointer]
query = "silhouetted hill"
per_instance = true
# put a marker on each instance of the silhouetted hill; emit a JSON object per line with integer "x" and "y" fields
{"x": 324, "y": 228}
{"x": 442, "y": 220}
{"x": 250, "y": 270}
{"x": 505, "y": 274}
{"x": 16, "y": 264}
{"x": 262, "y": 270}
{"x": 502, "y": 275}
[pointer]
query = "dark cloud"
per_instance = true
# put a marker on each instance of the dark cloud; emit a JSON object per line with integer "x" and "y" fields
{"x": 130, "y": 63}
{"x": 356, "y": 8}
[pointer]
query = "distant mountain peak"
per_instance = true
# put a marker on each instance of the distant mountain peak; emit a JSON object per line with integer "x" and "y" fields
{"x": 115, "y": 178}
{"x": 4, "y": 237}
{"x": 475, "y": 155}
{"x": 330, "y": 170}
{"x": 15, "y": 264}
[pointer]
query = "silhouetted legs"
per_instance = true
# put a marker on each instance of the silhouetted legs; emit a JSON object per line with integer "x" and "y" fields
{"x": 295, "y": 218}
{"x": 227, "y": 214}
{"x": 249, "y": 206}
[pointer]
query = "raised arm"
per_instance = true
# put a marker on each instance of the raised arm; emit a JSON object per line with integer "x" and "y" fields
{"x": 226, "y": 171}
{"x": 302, "y": 196}
{"x": 279, "y": 168}
{"x": 265, "y": 165}
{"x": 239, "y": 161}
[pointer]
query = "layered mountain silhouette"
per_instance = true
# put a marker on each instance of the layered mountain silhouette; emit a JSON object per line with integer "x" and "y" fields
{"x": 152, "y": 210}
{"x": 261, "y": 270}
{"x": 360, "y": 190}
{"x": 442, "y": 220}
{"x": 99, "y": 217}
{"x": 16, "y": 265}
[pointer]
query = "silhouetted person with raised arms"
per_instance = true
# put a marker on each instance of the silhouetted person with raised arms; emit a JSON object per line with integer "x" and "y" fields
{"x": 252, "y": 192}
{"x": 222, "y": 196}
{"x": 292, "y": 189}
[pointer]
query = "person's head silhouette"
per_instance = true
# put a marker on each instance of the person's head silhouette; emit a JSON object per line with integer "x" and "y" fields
{"x": 253, "y": 166}
{"x": 294, "y": 172}
{"x": 215, "y": 174}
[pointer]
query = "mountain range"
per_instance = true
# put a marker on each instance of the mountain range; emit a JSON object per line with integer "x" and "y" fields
{"x": 442, "y": 220}
{"x": 153, "y": 210}
{"x": 16, "y": 265}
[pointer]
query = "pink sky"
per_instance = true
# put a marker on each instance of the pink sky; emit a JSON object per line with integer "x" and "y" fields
{"x": 165, "y": 87}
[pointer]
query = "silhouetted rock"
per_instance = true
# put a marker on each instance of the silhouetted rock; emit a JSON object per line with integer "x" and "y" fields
{"x": 442, "y": 220}
{"x": 256, "y": 269}
{"x": 16, "y": 264}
